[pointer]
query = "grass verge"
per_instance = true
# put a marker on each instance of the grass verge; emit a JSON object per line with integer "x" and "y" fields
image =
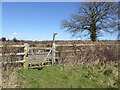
{"x": 86, "y": 77}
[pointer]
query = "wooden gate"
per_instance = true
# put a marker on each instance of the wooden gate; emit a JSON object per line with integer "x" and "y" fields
{"x": 38, "y": 56}
{"x": 32, "y": 56}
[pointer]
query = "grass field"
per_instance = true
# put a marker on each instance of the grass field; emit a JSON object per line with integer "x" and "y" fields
{"x": 85, "y": 77}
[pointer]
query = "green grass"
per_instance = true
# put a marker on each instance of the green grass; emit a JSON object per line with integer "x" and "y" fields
{"x": 53, "y": 77}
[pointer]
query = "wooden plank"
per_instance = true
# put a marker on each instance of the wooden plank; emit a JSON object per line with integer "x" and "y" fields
{"x": 9, "y": 54}
{"x": 38, "y": 53}
{"x": 85, "y": 44}
{"x": 46, "y": 57}
{"x": 68, "y": 51}
{"x": 32, "y": 67}
{"x": 20, "y": 61}
{"x": 38, "y": 62}
{"x": 12, "y": 45}
{"x": 42, "y": 48}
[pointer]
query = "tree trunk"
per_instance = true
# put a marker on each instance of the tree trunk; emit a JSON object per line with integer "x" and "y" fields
{"x": 93, "y": 35}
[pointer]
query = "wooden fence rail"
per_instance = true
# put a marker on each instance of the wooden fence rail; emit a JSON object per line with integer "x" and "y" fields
{"x": 77, "y": 50}
{"x": 12, "y": 45}
{"x": 84, "y": 44}
{"x": 27, "y": 47}
{"x": 16, "y": 54}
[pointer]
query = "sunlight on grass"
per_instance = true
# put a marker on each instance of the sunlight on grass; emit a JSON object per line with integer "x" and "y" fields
{"x": 53, "y": 77}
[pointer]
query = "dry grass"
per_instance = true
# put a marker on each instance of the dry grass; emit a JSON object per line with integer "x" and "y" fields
{"x": 8, "y": 76}
{"x": 82, "y": 54}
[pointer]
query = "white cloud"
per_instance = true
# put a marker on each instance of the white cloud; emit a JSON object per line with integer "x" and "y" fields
{"x": 15, "y": 35}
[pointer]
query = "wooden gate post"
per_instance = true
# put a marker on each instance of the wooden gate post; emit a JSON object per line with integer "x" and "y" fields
{"x": 26, "y": 49}
{"x": 53, "y": 54}
{"x": 53, "y": 51}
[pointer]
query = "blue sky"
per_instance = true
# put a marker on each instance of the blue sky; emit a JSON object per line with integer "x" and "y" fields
{"x": 37, "y": 21}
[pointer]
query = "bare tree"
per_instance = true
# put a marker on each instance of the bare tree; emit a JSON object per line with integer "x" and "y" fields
{"x": 91, "y": 18}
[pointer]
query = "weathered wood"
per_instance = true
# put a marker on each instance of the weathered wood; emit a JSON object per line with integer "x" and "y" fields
{"x": 26, "y": 49}
{"x": 53, "y": 49}
{"x": 36, "y": 67}
{"x": 56, "y": 45}
{"x": 9, "y": 54}
{"x": 38, "y": 53}
{"x": 46, "y": 57}
{"x": 84, "y": 44}
{"x": 12, "y": 45}
{"x": 26, "y": 63}
{"x": 37, "y": 62}
{"x": 41, "y": 48}
{"x": 68, "y": 51}
{"x": 53, "y": 54}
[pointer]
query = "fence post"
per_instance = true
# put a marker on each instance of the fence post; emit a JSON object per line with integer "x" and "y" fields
{"x": 26, "y": 49}
{"x": 53, "y": 51}
{"x": 53, "y": 54}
